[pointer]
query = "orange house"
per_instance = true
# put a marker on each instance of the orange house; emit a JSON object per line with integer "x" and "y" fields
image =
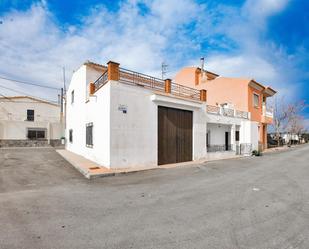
{"x": 244, "y": 94}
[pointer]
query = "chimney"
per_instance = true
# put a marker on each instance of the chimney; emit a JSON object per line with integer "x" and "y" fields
{"x": 203, "y": 71}
{"x": 202, "y": 64}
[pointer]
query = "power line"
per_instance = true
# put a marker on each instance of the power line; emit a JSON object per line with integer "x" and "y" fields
{"x": 29, "y": 83}
{"x": 20, "y": 92}
{"x": 6, "y": 97}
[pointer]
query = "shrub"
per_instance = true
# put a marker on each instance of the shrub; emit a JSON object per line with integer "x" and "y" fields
{"x": 256, "y": 153}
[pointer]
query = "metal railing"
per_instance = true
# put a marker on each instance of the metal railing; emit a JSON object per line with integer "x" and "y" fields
{"x": 245, "y": 149}
{"x": 134, "y": 78}
{"x": 101, "y": 81}
{"x": 184, "y": 91}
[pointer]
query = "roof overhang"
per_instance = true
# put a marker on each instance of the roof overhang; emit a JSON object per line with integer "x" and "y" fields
{"x": 256, "y": 85}
{"x": 268, "y": 92}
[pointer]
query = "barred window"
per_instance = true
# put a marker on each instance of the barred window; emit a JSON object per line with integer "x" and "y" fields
{"x": 89, "y": 134}
{"x": 71, "y": 136}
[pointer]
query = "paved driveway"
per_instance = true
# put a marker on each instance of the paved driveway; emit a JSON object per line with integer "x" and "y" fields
{"x": 241, "y": 203}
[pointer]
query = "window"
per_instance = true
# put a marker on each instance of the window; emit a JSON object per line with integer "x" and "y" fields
{"x": 89, "y": 135}
{"x": 72, "y": 97}
{"x": 36, "y": 133}
{"x": 30, "y": 115}
{"x": 71, "y": 136}
{"x": 256, "y": 100}
{"x": 237, "y": 136}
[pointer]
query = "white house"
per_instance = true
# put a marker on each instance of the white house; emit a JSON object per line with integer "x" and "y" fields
{"x": 120, "y": 119}
{"x": 28, "y": 121}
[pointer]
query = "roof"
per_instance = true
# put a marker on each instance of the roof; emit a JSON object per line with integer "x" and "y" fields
{"x": 31, "y": 98}
{"x": 95, "y": 65}
{"x": 213, "y": 77}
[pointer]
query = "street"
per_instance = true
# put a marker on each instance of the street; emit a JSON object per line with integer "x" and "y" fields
{"x": 260, "y": 202}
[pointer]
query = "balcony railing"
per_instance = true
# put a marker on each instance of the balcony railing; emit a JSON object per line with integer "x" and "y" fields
{"x": 139, "y": 79}
{"x": 228, "y": 112}
{"x": 241, "y": 114}
{"x": 268, "y": 112}
{"x": 101, "y": 81}
{"x": 142, "y": 80}
{"x": 184, "y": 91}
{"x": 213, "y": 109}
{"x": 218, "y": 110}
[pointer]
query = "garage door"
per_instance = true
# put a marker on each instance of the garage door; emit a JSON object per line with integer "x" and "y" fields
{"x": 174, "y": 135}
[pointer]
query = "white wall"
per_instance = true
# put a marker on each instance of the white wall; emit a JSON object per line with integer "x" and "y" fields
{"x": 13, "y": 114}
{"x": 249, "y": 134}
{"x": 81, "y": 112}
{"x": 217, "y": 133}
{"x": 134, "y": 134}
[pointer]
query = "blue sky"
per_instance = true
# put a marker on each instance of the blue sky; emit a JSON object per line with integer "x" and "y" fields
{"x": 267, "y": 40}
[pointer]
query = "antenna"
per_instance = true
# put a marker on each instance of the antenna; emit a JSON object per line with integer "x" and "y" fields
{"x": 164, "y": 70}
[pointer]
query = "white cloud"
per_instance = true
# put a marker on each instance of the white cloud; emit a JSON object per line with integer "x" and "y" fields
{"x": 34, "y": 48}
{"x": 263, "y": 8}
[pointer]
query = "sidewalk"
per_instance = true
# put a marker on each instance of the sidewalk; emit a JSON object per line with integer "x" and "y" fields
{"x": 91, "y": 169}
{"x": 88, "y": 168}
{"x": 281, "y": 148}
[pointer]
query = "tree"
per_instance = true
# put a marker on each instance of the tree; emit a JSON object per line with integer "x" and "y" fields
{"x": 280, "y": 116}
{"x": 287, "y": 117}
{"x": 295, "y": 121}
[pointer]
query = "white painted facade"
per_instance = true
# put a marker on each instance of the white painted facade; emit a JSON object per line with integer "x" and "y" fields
{"x": 125, "y": 122}
{"x": 13, "y": 118}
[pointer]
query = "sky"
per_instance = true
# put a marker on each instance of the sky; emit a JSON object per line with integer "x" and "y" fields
{"x": 267, "y": 40}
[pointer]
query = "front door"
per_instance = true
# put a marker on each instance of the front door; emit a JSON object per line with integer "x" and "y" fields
{"x": 174, "y": 135}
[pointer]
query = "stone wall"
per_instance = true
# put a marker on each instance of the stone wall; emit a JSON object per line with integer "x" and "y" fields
{"x": 29, "y": 143}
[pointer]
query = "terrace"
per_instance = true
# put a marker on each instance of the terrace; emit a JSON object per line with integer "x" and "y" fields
{"x": 129, "y": 77}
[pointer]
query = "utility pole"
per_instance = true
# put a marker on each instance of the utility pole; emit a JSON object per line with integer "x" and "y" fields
{"x": 61, "y": 106}
{"x": 64, "y": 87}
{"x": 164, "y": 68}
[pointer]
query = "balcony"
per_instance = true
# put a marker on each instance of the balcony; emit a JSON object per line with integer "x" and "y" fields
{"x": 228, "y": 112}
{"x": 125, "y": 76}
{"x": 267, "y": 115}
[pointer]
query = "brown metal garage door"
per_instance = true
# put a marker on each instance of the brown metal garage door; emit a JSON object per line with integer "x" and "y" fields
{"x": 174, "y": 135}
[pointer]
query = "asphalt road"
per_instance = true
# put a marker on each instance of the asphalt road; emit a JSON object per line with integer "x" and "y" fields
{"x": 245, "y": 203}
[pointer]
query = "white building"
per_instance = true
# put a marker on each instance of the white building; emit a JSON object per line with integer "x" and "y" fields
{"x": 120, "y": 119}
{"x": 28, "y": 121}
